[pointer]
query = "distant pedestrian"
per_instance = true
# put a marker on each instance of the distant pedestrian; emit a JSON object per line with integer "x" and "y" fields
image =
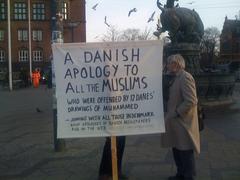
{"x": 6, "y": 79}
{"x": 24, "y": 77}
{"x": 36, "y": 78}
{"x": 181, "y": 119}
{"x": 49, "y": 78}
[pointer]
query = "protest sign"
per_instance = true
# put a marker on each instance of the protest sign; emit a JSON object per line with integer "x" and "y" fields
{"x": 108, "y": 89}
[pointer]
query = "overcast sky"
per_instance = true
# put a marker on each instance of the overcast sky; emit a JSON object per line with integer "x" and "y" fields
{"x": 212, "y": 13}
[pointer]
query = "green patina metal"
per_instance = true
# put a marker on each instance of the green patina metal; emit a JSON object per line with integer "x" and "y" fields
{"x": 185, "y": 32}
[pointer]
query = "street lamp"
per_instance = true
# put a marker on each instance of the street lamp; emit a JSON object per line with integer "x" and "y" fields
{"x": 57, "y": 33}
{"x": 57, "y": 37}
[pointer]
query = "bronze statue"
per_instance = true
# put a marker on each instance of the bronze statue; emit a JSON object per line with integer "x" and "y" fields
{"x": 170, "y": 3}
{"x": 183, "y": 25}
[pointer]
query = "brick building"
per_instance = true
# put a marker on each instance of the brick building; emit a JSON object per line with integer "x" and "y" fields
{"x": 43, "y": 20}
{"x": 230, "y": 41}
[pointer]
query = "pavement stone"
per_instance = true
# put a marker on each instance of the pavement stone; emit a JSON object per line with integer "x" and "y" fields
{"x": 26, "y": 144}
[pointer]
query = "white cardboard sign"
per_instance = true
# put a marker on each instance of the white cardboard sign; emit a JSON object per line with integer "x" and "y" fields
{"x": 108, "y": 89}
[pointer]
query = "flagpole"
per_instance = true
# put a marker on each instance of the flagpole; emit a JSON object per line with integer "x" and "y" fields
{"x": 9, "y": 48}
{"x": 30, "y": 39}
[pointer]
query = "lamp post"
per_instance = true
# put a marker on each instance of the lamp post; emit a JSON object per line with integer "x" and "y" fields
{"x": 9, "y": 48}
{"x": 57, "y": 37}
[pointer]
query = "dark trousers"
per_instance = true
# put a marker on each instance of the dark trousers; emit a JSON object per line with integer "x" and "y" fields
{"x": 185, "y": 162}
{"x": 106, "y": 162}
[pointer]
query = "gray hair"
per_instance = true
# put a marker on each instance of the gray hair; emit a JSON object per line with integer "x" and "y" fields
{"x": 178, "y": 59}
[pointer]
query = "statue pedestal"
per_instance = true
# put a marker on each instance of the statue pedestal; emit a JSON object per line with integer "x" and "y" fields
{"x": 215, "y": 88}
{"x": 190, "y": 52}
{"x": 212, "y": 88}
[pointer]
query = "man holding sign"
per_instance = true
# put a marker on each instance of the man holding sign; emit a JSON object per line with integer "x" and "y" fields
{"x": 109, "y": 89}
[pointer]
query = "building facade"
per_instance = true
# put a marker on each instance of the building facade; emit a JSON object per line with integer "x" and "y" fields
{"x": 35, "y": 39}
{"x": 230, "y": 41}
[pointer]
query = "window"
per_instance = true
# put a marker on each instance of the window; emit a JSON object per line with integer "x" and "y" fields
{"x": 20, "y": 11}
{"x": 37, "y": 55}
{"x": 38, "y": 11}
{"x": 23, "y": 55}
{"x": 1, "y": 35}
{"x": 2, "y": 55}
{"x": 2, "y": 11}
{"x": 22, "y": 35}
{"x": 37, "y": 35}
{"x": 64, "y": 10}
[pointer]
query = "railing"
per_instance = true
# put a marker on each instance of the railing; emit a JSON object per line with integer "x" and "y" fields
{"x": 215, "y": 86}
{"x": 211, "y": 87}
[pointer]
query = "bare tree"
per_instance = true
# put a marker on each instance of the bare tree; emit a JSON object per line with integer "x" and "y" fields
{"x": 129, "y": 34}
{"x": 147, "y": 34}
{"x": 113, "y": 34}
{"x": 136, "y": 34}
{"x": 210, "y": 44}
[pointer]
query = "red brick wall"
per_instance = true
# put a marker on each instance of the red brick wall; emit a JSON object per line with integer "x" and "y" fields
{"x": 76, "y": 14}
